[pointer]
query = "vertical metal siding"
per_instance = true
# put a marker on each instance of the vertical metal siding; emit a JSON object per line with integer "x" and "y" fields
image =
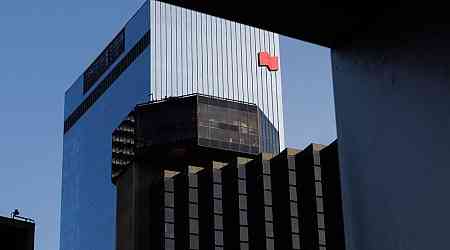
{"x": 197, "y": 53}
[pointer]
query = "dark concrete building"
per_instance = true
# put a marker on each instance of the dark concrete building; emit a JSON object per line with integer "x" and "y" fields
{"x": 190, "y": 174}
{"x": 16, "y": 234}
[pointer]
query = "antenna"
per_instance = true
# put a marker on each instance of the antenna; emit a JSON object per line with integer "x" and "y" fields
{"x": 15, "y": 215}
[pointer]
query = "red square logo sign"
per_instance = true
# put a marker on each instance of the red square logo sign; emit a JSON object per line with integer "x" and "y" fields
{"x": 266, "y": 60}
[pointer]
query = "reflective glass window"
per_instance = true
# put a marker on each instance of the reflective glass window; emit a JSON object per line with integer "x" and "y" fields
{"x": 294, "y": 225}
{"x": 319, "y": 204}
{"x": 269, "y": 229}
{"x": 194, "y": 242}
{"x": 193, "y": 226}
{"x": 295, "y": 241}
{"x": 242, "y": 187}
{"x": 218, "y": 221}
{"x": 318, "y": 188}
{"x": 169, "y": 244}
{"x": 244, "y": 234}
{"x": 168, "y": 199}
{"x": 242, "y": 202}
{"x": 293, "y": 193}
{"x": 243, "y": 217}
{"x": 193, "y": 195}
{"x": 217, "y": 190}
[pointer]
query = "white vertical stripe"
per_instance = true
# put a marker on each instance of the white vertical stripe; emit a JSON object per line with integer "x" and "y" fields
{"x": 274, "y": 83}
{"x": 152, "y": 49}
{"x": 204, "y": 56}
{"x": 245, "y": 51}
{"x": 189, "y": 51}
{"x": 163, "y": 51}
{"x": 253, "y": 61}
{"x": 194, "y": 52}
{"x": 260, "y": 84}
{"x": 280, "y": 96}
{"x": 209, "y": 60}
{"x": 229, "y": 60}
{"x": 214, "y": 56}
{"x": 199, "y": 50}
{"x": 184, "y": 51}
{"x": 157, "y": 50}
{"x": 234, "y": 68}
{"x": 179, "y": 52}
{"x": 172, "y": 43}
{"x": 220, "y": 58}
{"x": 269, "y": 78}
{"x": 238, "y": 61}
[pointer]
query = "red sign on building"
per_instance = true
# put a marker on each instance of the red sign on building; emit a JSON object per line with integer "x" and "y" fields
{"x": 265, "y": 59}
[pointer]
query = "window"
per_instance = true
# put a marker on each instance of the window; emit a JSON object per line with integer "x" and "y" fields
{"x": 321, "y": 221}
{"x": 169, "y": 244}
{"x": 322, "y": 237}
{"x": 295, "y": 241}
{"x": 270, "y": 244}
{"x": 294, "y": 209}
{"x": 293, "y": 193}
{"x": 292, "y": 178}
{"x": 217, "y": 177}
{"x": 317, "y": 173}
{"x": 318, "y": 188}
{"x": 218, "y": 221}
{"x": 218, "y": 238}
{"x": 267, "y": 181}
{"x": 269, "y": 229}
{"x": 217, "y": 190}
{"x": 193, "y": 195}
{"x": 168, "y": 214}
{"x": 244, "y": 246}
{"x": 319, "y": 202}
{"x": 243, "y": 217}
{"x": 242, "y": 202}
{"x": 217, "y": 206}
{"x": 193, "y": 210}
{"x": 294, "y": 225}
{"x": 242, "y": 187}
{"x": 168, "y": 184}
{"x": 193, "y": 226}
{"x": 193, "y": 180}
{"x": 268, "y": 197}
{"x": 103, "y": 61}
{"x": 194, "y": 242}
{"x": 241, "y": 172}
{"x": 266, "y": 168}
{"x": 169, "y": 230}
{"x": 244, "y": 234}
{"x": 268, "y": 213}
{"x": 168, "y": 199}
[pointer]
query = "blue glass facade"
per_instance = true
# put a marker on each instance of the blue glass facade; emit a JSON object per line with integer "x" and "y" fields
{"x": 152, "y": 62}
{"x": 88, "y": 197}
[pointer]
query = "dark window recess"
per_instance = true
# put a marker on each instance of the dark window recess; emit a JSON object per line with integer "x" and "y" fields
{"x": 103, "y": 61}
{"x": 107, "y": 82}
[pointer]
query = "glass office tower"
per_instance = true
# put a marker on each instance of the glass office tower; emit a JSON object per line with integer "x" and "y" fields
{"x": 162, "y": 51}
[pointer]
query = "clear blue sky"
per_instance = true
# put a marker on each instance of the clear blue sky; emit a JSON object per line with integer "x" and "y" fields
{"x": 45, "y": 45}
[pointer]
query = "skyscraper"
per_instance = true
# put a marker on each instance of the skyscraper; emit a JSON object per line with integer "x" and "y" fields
{"x": 190, "y": 175}
{"x": 163, "y": 51}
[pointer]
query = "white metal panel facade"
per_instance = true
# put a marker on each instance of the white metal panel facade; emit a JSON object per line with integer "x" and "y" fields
{"x": 197, "y": 53}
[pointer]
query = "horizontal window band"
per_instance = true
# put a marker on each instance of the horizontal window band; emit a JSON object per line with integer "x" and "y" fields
{"x": 107, "y": 82}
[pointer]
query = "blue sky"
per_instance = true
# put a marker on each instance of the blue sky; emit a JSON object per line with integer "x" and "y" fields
{"x": 45, "y": 45}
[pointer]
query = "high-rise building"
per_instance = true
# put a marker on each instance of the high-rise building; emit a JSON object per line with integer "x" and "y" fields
{"x": 197, "y": 180}
{"x": 163, "y": 51}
